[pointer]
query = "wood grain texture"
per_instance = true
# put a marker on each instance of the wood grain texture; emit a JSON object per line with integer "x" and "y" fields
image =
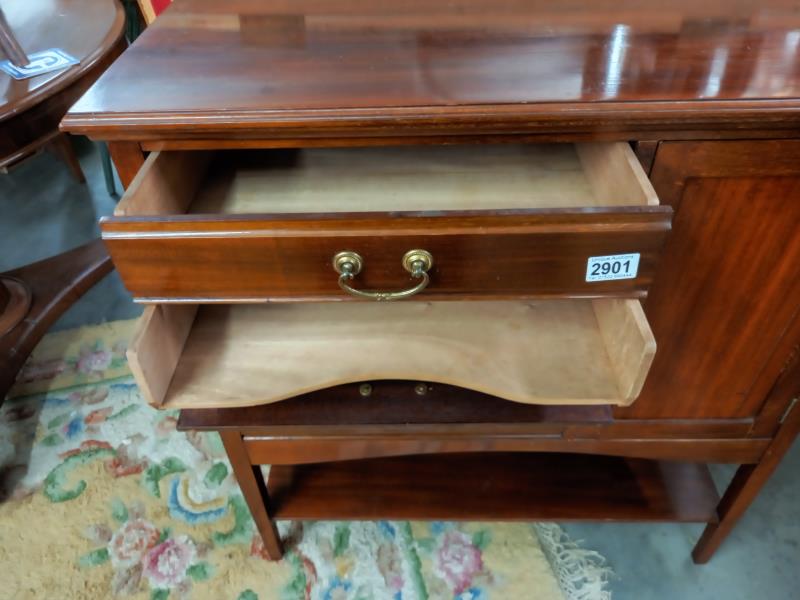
{"x": 776, "y": 405}
{"x": 341, "y": 424}
{"x": 343, "y": 410}
{"x": 128, "y": 159}
{"x": 55, "y": 284}
{"x": 512, "y": 487}
{"x": 628, "y": 341}
{"x": 318, "y": 448}
{"x": 15, "y": 301}
{"x": 500, "y": 222}
{"x": 476, "y": 66}
{"x": 614, "y": 174}
{"x": 518, "y": 254}
{"x": 562, "y": 135}
{"x": 727, "y": 288}
{"x": 156, "y": 348}
{"x": 537, "y": 353}
{"x": 416, "y": 178}
{"x": 390, "y": 402}
{"x": 165, "y": 184}
{"x": 480, "y": 72}
{"x": 391, "y": 180}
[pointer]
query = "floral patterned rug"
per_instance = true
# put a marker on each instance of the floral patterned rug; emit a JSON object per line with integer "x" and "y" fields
{"x": 100, "y": 497}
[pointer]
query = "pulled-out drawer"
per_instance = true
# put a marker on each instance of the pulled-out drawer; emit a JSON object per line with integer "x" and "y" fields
{"x": 571, "y": 351}
{"x": 496, "y": 222}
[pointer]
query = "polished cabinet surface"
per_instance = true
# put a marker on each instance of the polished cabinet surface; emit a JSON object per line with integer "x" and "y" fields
{"x": 309, "y": 68}
{"x": 467, "y": 161}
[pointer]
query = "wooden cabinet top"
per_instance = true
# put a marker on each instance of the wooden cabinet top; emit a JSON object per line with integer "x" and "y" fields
{"x": 344, "y": 68}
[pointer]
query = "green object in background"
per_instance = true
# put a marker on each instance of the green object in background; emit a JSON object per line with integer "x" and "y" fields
{"x": 133, "y": 21}
{"x": 108, "y": 169}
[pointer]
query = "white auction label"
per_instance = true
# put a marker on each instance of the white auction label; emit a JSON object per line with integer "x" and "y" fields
{"x": 613, "y": 266}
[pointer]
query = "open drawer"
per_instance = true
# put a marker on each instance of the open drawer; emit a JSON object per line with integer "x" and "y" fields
{"x": 532, "y": 221}
{"x": 537, "y": 352}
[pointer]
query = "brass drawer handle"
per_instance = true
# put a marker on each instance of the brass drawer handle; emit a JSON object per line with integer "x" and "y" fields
{"x": 349, "y": 264}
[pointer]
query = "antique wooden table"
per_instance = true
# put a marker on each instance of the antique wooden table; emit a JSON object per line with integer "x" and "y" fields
{"x": 30, "y": 109}
{"x": 487, "y": 144}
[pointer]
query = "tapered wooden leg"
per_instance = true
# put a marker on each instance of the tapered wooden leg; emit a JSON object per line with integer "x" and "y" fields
{"x": 128, "y": 159}
{"x": 9, "y": 43}
{"x": 254, "y": 490}
{"x": 62, "y": 146}
{"x": 744, "y": 488}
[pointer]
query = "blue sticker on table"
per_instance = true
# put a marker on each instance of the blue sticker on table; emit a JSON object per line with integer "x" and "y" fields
{"x": 40, "y": 62}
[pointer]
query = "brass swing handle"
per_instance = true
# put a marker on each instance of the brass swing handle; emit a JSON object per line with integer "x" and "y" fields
{"x": 348, "y": 264}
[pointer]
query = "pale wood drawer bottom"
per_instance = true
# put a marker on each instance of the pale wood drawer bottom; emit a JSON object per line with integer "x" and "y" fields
{"x": 544, "y": 352}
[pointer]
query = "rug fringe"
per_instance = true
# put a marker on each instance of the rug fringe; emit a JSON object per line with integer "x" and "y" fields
{"x": 582, "y": 574}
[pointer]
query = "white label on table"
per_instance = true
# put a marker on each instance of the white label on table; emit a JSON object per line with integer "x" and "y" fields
{"x": 40, "y": 62}
{"x": 611, "y": 267}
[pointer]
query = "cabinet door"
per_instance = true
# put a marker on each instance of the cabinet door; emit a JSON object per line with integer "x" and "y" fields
{"x": 729, "y": 281}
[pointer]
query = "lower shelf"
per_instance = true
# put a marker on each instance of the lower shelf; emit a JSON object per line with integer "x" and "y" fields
{"x": 499, "y": 487}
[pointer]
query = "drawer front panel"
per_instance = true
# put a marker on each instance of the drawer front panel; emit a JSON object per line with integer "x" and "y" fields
{"x": 529, "y": 254}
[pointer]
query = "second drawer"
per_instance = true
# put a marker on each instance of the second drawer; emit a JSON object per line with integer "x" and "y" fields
{"x": 558, "y": 352}
{"x": 500, "y": 222}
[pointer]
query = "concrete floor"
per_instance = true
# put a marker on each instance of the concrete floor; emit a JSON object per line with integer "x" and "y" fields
{"x": 44, "y": 211}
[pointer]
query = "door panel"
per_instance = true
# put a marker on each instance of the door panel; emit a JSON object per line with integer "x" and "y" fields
{"x": 728, "y": 284}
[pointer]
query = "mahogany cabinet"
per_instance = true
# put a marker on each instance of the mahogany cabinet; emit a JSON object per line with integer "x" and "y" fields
{"x": 281, "y": 158}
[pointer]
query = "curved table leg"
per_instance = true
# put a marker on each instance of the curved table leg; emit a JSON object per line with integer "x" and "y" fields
{"x": 55, "y": 284}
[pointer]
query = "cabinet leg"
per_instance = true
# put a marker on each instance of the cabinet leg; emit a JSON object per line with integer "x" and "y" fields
{"x": 744, "y": 488}
{"x": 128, "y": 159}
{"x": 740, "y": 494}
{"x": 254, "y": 490}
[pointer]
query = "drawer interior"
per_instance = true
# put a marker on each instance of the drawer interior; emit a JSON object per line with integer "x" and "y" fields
{"x": 546, "y": 352}
{"x": 425, "y": 178}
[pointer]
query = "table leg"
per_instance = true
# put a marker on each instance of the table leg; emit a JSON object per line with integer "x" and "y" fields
{"x": 254, "y": 490}
{"x": 745, "y": 487}
{"x": 9, "y": 43}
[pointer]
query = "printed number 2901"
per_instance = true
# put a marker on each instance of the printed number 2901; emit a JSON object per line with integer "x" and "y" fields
{"x": 614, "y": 266}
